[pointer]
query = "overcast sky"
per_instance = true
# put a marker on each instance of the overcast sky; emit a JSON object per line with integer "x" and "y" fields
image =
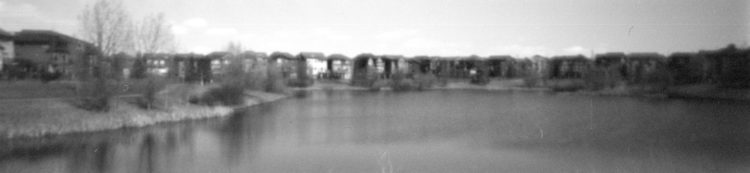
{"x": 423, "y": 27}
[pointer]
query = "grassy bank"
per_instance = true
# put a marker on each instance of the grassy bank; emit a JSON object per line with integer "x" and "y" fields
{"x": 47, "y": 116}
{"x": 707, "y": 91}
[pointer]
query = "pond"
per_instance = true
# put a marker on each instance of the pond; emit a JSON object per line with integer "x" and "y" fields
{"x": 430, "y": 131}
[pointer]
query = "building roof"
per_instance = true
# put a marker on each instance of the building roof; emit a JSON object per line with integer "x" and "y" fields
{"x": 338, "y": 57}
{"x": 645, "y": 55}
{"x": 500, "y": 57}
{"x": 365, "y": 55}
{"x": 610, "y": 55}
{"x": 43, "y": 36}
{"x": 218, "y": 55}
{"x": 312, "y": 55}
{"x": 282, "y": 55}
{"x": 570, "y": 58}
{"x": 683, "y": 54}
{"x": 5, "y": 35}
{"x": 392, "y": 57}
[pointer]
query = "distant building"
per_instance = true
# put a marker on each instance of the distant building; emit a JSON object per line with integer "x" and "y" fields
{"x": 339, "y": 67}
{"x": 316, "y": 63}
{"x": 50, "y": 50}
{"x": 219, "y": 60}
{"x": 569, "y": 67}
{"x": 729, "y": 66}
{"x": 501, "y": 66}
{"x": 688, "y": 68}
{"x": 610, "y": 59}
{"x": 390, "y": 65}
{"x": 6, "y": 47}
{"x": 157, "y": 64}
{"x": 540, "y": 66}
{"x": 640, "y": 65}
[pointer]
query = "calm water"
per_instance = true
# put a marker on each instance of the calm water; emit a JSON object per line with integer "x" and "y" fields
{"x": 433, "y": 131}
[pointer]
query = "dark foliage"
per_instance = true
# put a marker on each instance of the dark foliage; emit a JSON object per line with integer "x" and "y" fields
{"x": 50, "y": 76}
{"x": 149, "y": 98}
{"x": 139, "y": 69}
{"x": 223, "y": 95}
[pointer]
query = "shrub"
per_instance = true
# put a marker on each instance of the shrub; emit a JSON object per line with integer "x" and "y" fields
{"x": 399, "y": 82}
{"x": 273, "y": 81}
{"x": 425, "y": 81}
{"x": 365, "y": 77}
{"x": 222, "y": 95}
{"x": 256, "y": 79}
{"x": 380, "y": 83}
{"x": 657, "y": 81}
{"x": 95, "y": 88}
{"x": 149, "y": 98}
{"x": 47, "y": 76}
{"x": 565, "y": 85}
{"x": 300, "y": 82}
{"x": 601, "y": 78}
{"x": 96, "y": 95}
{"x": 139, "y": 69}
{"x": 532, "y": 79}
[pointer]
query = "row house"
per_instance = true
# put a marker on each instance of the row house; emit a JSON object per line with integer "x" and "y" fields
{"x": 51, "y": 51}
{"x": 641, "y": 65}
{"x": 6, "y": 48}
{"x": 339, "y": 67}
{"x": 568, "y": 67}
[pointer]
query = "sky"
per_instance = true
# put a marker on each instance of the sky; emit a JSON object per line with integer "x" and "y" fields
{"x": 422, "y": 27}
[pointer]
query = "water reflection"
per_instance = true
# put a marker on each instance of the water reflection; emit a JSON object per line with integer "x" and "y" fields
{"x": 436, "y": 131}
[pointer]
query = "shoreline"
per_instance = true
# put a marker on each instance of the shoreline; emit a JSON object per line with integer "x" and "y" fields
{"x": 58, "y": 117}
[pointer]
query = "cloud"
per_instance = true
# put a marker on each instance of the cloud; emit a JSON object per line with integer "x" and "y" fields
{"x": 201, "y": 49}
{"x": 575, "y": 50}
{"x": 324, "y": 33}
{"x": 519, "y": 50}
{"x": 19, "y": 10}
{"x": 221, "y": 31}
{"x": 20, "y": 15}
{"x": 396, "y": 34}
{"x": 195, "y": 22}
{"x": 427, "y": 46}
{"x": 179, "y": 30}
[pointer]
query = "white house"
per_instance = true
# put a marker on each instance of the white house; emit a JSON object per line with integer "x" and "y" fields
{"x": 6, "y": 47}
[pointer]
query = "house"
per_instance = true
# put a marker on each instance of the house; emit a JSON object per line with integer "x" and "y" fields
{"x": 610, "y": 59}
{"x": 443, "y": 66}
{"x": 6, "y": 47}
{"x": 253, "y": 60}
{"x": 420, "y": 65}
{"x": 729, "y": 66}
{"x": 49, "y": 50}
{"x": 639, "y": 65}
{"x": 390, "y": 65}
{"x": 688, "y": 68}
{"x": 157, "y": 63}
{"x": 338, "y": 67}
{"x": 317, "y": 64}
{"x": 363, "y": 74}
{"x": 568, "y": 67}
{"x": 501, "y": 66}
{"x": 190, "y": 68}
{"x": 219, "y": 61}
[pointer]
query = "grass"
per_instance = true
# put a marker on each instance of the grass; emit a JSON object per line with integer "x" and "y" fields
{"x": 33, "y": 89}
{"x": 45, "y": 116}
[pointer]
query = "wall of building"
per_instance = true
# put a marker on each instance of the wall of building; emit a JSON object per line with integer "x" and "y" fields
{"x": 7, "y": 53}
{"x": 35, "y": 53}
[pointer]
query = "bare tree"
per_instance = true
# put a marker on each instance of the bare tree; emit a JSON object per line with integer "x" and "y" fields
{"x": 235, "y": 48}
{"x": 152, "y": 35}
{"x": 106, "y": 24}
